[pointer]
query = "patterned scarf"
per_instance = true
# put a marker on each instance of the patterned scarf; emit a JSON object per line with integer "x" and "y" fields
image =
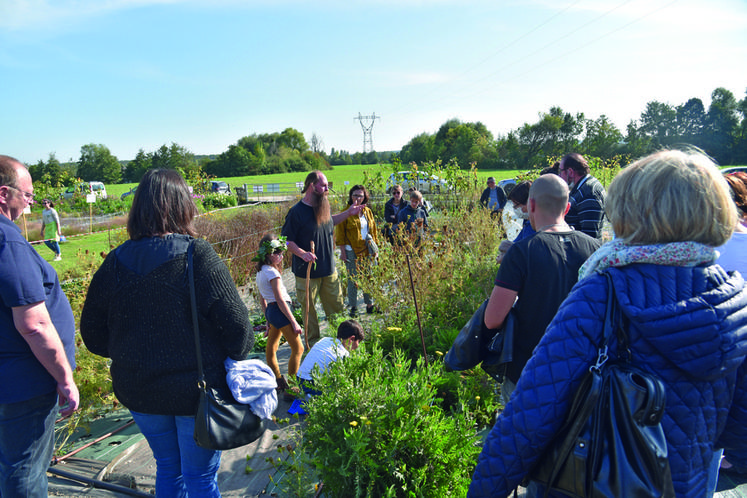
{"x": 617, "y": 253}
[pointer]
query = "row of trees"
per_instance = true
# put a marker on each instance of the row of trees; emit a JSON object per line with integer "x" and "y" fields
{"x": 721, "y": 131}
{"x": 268, "y": 153}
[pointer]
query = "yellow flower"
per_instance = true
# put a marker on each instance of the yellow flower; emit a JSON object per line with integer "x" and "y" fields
{"x": 393, "y": 329}
{"x": 439, "y": 353}
{"x": 354, "y": 423}
{"x": 477, "y": 398}
{"x": 363, "y": 417}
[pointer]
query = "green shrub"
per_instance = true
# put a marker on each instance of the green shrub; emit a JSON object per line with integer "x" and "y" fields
{"x": 218, "y": 201}
{"x": 380, "y": 429}
{"x": 452, "y": 269}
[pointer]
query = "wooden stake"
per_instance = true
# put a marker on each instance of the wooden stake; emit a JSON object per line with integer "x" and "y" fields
{"x": 308, "y": 300}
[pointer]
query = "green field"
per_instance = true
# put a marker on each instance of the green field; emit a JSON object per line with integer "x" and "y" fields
{"x": 338, "y": 175}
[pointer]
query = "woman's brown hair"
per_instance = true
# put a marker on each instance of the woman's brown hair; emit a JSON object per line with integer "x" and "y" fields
{"x": 162, "y": 204}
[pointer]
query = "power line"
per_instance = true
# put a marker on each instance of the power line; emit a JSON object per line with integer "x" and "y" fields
{"x": 464, "y": 95}
{"x": 501, "y": 49}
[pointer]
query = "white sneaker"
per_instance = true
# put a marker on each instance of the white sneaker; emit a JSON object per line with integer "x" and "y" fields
{"x": 58, "y": 258}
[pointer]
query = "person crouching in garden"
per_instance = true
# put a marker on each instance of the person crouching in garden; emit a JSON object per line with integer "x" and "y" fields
{"x": 358, "y": 240}
{"x": 276, "y": 305}
{"x": 349, "y": 336}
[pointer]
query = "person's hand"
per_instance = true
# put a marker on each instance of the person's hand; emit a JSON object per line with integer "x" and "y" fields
{"x": 355, "y": 208}
{"x": 308, "y": 257}
{"x": 297, "y": 328}
{"x": 505, "y": 246}
{"x": 69, "y": 398}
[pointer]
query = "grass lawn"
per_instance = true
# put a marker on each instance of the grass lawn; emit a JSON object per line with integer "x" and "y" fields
{"x": 82, "y": 251}
{"x": 352, "y": 173}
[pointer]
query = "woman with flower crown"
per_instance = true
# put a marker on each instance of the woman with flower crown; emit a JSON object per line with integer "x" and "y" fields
{"x": 276, "y": 305}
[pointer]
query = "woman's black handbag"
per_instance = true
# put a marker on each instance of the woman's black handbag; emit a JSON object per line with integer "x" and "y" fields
{"x": 476, "y": 344}
{"x": 221, "y": 423}
{"x": 612, "y": 444}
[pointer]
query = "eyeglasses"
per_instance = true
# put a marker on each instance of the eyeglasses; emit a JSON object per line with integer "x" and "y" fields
{"x": 27, "y": 195}
{"x": 396, "y": 192}
{"x": 359, "y": 196}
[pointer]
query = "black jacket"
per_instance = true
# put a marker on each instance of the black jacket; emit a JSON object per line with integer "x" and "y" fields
{"x": 143, "y": 322}
{"x": 485, "y": 198}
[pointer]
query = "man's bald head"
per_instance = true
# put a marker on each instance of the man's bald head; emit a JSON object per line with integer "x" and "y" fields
{"x": 550, "y": 193}
{"x": 9, "y": 170}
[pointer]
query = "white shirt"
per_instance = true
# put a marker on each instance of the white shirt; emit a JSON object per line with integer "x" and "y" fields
{"x": 364, "y": 231}
{"x": 323, "y": 353}
{"x": 264, "y": 277}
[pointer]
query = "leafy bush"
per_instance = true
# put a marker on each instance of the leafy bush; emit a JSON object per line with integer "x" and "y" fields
{"x": 235, "y": 235}
{"x": 380, "y": 429}
{"x": 452, "y": 272}
{"x": 218, "y": 201}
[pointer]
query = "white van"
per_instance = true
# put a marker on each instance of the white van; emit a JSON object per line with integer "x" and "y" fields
{"x": 84, "y": 188}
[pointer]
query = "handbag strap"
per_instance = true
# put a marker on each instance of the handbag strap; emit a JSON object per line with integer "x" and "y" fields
{"x": 587, "y": 397}
{"x": 193, "y": 300}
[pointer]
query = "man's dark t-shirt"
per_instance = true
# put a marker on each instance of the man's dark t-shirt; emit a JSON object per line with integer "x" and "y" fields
{"x": 301, "y": 227}
{"x": 542, "y": 269}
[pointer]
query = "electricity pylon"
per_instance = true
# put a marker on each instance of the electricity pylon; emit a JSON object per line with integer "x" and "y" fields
{"x": 367, "y": 123}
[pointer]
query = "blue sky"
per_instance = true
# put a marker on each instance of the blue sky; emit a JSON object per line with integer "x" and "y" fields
{"x": 134, "y": 74}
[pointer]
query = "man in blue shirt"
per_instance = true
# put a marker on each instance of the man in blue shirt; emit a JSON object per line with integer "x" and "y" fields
{"x": 493, "y": 197}
{"x": 37, "y": 346}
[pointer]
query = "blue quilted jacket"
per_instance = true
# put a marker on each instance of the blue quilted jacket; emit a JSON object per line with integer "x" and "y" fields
{"x": 687, "y": 325}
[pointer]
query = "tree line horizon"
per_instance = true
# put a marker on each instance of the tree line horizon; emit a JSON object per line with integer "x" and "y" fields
{"x": 720, "y": 131}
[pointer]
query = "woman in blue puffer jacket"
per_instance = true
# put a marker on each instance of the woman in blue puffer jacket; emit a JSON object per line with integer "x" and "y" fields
{"x": 687, "y": 324}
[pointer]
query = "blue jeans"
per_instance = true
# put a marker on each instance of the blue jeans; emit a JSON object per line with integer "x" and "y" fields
{"x": 182, "y": 468}
{"x": 54, "y": 245}
{"x": 351, "y": 264}
{"x": 26, "y": 445}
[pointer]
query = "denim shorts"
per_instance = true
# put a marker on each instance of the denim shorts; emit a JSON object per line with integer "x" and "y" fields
{"x": 275, "y": 316}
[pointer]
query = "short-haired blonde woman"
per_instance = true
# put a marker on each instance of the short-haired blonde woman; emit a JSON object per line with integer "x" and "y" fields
{"x": 685, "y": 321}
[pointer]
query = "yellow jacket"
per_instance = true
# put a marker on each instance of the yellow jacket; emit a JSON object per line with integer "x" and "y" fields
{"x": 348, "y": 232}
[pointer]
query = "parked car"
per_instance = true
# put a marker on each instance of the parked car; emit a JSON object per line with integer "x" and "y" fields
{"x": 219, "y": 187}
{"x": 734, "y": 169}
{"x": 507, "y": 185}
{"x": 127, "y": 194}
{"x": 424, "y": 182}
{"x": 84, "y": 188}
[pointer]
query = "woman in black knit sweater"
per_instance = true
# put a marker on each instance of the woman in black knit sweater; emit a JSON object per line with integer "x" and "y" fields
{"x": 137, "y": 312}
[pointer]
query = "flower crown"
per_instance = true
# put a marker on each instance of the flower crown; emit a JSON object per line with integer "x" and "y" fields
{"x": 268, "y": 247}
